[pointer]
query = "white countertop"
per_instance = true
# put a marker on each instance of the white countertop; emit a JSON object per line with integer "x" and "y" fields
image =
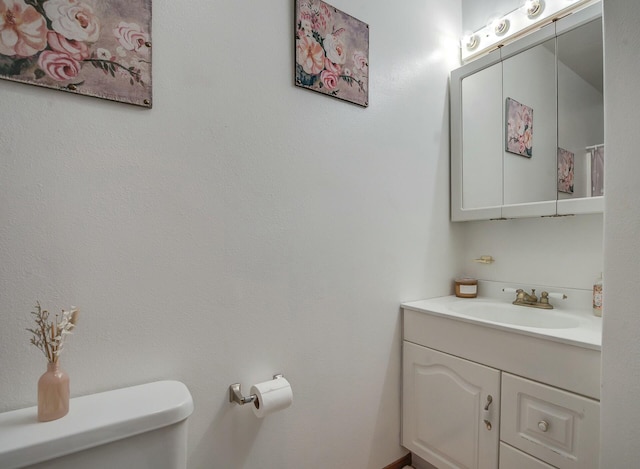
{"x": 588, "y": 333}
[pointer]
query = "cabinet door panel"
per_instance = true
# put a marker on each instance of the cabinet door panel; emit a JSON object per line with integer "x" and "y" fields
{"x": 443, "y": 409}
{"x": 482, "y": 138}
{"x": 530, "y": 167}
{"x": 476, "y": 115}
{"x": 580, "y": 113}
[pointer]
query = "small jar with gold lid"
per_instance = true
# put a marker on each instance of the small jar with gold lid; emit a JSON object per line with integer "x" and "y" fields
{"x": 466, "y": 287}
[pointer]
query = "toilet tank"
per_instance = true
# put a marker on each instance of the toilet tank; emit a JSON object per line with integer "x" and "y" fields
{"x": 138, "y": 427}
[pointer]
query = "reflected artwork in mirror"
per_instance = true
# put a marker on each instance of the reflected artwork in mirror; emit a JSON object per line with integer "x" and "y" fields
{"x": 529, "y": 80}
{"x": 519, "y": 128}
{"x": 565, "y": 171}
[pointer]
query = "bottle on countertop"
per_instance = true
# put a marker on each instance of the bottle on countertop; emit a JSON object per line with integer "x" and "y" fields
{"x": 597, "y": 296}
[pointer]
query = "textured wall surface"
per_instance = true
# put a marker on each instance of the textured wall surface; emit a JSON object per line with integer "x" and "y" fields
{"x": 560, "y": 252}
{"x": 244, "y": 227}
{"x": 621, "y": 349}
{"x": 239, "y": 228}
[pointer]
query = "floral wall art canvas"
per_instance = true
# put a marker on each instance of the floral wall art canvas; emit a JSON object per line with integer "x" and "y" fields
{"x": 565, "y": 171}
{"x": 98, "y": 48}
{"x": 519, "y": 130}
{"x": 332, "y": 52}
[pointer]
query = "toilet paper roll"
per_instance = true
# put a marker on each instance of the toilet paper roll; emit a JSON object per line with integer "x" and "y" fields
{"x": 271, "y": 396}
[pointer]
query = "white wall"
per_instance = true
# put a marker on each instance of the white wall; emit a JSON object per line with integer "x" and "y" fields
{"x": 240, "y": 228}
{"x": 558, "y": 252}
{"x": 621, "y": 348}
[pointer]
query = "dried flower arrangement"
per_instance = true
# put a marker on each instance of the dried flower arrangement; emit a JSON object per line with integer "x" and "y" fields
{"x": 49, "y": 335}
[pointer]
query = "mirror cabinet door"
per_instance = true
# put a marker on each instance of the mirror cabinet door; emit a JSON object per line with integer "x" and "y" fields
{"x": 529, "y": 151}
{"x": 524, "y": 119}
{"x": 580, "y": 117}
{"x": 482, "y": 138}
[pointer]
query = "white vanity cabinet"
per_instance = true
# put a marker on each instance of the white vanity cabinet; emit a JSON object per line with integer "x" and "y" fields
{"x": 543, "y": 411}
{"x": 452, "y": 409}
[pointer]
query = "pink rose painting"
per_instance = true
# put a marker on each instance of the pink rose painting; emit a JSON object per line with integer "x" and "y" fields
{"x": 519, "y": 130}
{"x": 565, "y": 171}
{"x": 99, "y": 48}
{"x": 332, "y": 52}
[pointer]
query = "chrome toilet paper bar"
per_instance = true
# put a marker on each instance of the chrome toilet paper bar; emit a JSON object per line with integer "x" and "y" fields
{"x": 235, "y": 393}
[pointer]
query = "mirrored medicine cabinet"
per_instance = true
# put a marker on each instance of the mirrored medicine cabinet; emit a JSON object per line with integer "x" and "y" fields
{"x": 527, "y": 125}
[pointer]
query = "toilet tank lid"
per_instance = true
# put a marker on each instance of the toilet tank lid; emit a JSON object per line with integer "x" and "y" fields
{"x": 92, "y": 420}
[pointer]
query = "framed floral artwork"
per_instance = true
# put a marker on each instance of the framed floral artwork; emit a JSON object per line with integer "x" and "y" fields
{"x": 332, "y": 52}
{"x": 519, "y": 131}
{"x": 565, "y": 171}
{"x": 99, "y": 48}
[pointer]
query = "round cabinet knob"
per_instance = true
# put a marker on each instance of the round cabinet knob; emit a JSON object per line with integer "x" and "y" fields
{"x": 543, "y": 425}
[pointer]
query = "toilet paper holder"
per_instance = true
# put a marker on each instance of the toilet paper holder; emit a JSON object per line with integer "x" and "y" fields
{"x": 235, "y": 393}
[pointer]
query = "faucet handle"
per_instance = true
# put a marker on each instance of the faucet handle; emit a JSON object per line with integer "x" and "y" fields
{"x": 558, "y": 296}
{"x": 518, "y": 291}
{"x": 544, "y": 298}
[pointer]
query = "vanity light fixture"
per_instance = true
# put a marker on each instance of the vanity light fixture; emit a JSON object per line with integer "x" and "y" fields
{"x": 500, "y": 26}
{"x": 534, "y": 8}
{"x": 471, "y": 41}
{"x": 530, "y": 15}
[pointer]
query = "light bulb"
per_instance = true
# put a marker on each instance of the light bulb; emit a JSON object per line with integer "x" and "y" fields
{"x": 534, "y": 8}
{"x": 471, "y": 41}
{"x": 500, "y": 26}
